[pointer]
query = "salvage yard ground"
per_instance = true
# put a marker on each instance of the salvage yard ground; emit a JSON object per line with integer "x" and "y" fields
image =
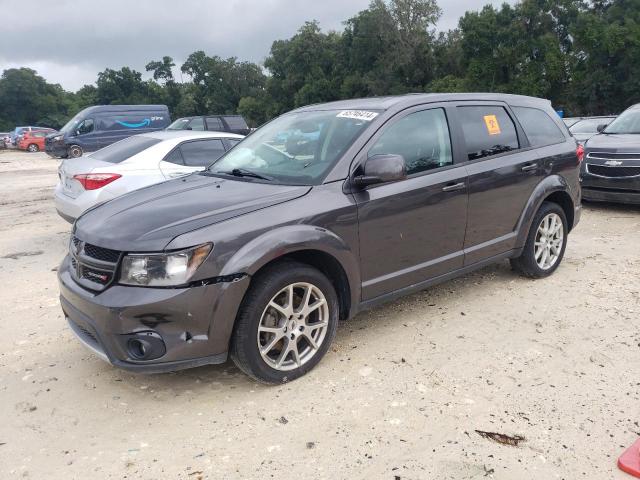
{"x": 401, "y": 394}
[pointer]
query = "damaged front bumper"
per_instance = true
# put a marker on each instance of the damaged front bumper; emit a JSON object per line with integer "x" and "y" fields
{"x": 154, "y": 330}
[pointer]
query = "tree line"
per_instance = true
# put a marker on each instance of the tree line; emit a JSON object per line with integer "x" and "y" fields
{"x": 582, "y": 55}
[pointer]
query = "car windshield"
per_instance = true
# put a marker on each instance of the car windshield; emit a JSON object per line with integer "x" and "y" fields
{"x": 297, "y": 148}
{"x": 180, "y": 124}
{"x": 71, "y": 124}
{"x": 627, "y": 122}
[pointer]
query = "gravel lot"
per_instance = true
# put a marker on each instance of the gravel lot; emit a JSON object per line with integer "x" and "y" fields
{"x": 400, "y": 395}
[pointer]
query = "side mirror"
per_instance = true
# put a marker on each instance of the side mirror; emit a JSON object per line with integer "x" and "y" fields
{"x": 382, "y": 169}
{"x": 601, "y": 127}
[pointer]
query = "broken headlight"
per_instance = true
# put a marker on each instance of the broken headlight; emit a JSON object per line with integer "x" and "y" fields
{"x": 163, "y": 269}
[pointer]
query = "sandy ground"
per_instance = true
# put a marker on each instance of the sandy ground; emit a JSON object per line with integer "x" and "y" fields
{"x": 400, "y": 395}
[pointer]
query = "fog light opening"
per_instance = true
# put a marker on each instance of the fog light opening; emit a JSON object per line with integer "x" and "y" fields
{"x": 138, "y": 349}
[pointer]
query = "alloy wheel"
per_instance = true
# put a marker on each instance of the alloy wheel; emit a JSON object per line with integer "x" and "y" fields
{"x": 549, "y": 241}
{"x": 293, "y": 326}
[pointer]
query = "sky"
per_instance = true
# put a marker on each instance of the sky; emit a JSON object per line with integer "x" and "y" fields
{"x": 70, "y": 41}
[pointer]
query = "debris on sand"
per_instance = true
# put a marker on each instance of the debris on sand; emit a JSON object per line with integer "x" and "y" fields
{"x": 15, "y": 256}
{"x": 502, "y": 438}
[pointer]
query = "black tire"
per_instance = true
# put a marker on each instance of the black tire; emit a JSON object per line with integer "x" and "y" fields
{"x": 74, "y": 151}
{"x": 244, "y": 349}
{"x": 33, "y": 148}
{"x": 526, "y": 263}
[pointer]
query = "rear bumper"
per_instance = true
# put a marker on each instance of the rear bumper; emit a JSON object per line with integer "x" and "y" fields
{"x": 191, "y": 326}
{"x": 67, "y": 207}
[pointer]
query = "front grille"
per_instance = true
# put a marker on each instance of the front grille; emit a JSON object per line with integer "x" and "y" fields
{"x": 614, "y": 156}
{"x": 613, "y": 172}
{"x": 99, "y": 253}
{"x": 93, "y": 267}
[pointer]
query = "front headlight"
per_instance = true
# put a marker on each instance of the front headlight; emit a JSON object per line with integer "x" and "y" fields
{"x": 57, "y": 138}
{"x": 163, "y": 269}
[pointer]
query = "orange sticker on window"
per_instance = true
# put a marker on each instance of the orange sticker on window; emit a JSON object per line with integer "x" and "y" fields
{"x": 493, "y": 127}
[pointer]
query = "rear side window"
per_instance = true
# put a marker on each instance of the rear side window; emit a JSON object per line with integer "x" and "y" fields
{"x": 422, "y": 138}
{"x": 488, "y": 130}
{"x": 120, "y": 151}
{"x": 233, "y": 142}
{"x": 214, "y": 124}
{"x": 236, "y": 123}
{"x": 202, "y": 153}
{"x": 540, "y": 129}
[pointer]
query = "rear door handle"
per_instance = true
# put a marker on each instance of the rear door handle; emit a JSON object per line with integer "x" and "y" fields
{"x": 454, "y": 187}
{"x": 530, "y": 167}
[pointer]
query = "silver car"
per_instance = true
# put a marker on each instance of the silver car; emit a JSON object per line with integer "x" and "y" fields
{"x": 133, "y": 163}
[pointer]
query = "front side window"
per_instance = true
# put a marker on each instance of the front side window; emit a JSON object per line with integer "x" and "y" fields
{"x": 488, "y": 130}
{"x": 196, "y": 124}
{"x": 201, "y": 153}
{"x": 297, "y": 148}
{"x": 421, "y": 138}
{"x": 627, "y": 123}
{"x": 589, "y": 125}
{"x": 85, "y": 127}
{"x": 538, "y": 126}
{"x": 214, "y": 124}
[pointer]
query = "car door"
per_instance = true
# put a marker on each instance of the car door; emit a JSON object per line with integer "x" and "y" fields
{"x": 503, "y": 172}
{"x": 414, "y": 229}
{"x": 86, "y": 136}
{"x": 191, "y": 156}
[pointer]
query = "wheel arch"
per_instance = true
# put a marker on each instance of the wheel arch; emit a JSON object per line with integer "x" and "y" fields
{"x": 554, "y": 189}
{"x": 315, "y": 246}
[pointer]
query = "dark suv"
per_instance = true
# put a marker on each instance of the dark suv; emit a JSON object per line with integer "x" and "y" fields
{"x": 324, "y": 212}
{"x": 611, "y": 171}
{"x": 215, "y": 123}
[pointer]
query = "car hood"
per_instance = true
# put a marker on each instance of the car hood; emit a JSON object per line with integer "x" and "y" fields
{"x": 614, "y": 143}
{"x": 149, "y": 218}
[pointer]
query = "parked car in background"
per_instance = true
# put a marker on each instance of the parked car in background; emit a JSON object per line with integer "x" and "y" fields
{"x": 17, "y": 133}
{"x": 214, "y": 123}
{"x": 587, "y": 127}
{"x": 97, "y": 127}
{"x": 259, "y": 256}
{"x": 611, "y": 170}
{"x": 568, "y": 121}
{"x": 33, "y": 140}
{"x": 136, "y": 162}
{"x": 5, "y": 139}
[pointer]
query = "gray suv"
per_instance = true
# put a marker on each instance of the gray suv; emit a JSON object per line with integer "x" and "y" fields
{"x": 320, "y": 214}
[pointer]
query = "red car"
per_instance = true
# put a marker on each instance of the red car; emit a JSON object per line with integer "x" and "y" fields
{"x": 33, "y": 141}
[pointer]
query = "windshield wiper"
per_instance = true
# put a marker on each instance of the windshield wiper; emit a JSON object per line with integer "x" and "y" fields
{"x": 243, "y": 172}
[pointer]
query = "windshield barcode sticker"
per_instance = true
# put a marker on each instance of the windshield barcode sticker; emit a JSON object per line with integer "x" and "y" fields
{"x": 358, "y": 115}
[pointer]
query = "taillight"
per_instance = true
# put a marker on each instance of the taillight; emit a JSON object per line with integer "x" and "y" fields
{"x": 93, "y": 181}
{"x": 580, "y": 153}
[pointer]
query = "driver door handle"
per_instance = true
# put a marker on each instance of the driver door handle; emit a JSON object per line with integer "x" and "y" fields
{"x": 454, "y": 187}
{"x": 530, "y": 167}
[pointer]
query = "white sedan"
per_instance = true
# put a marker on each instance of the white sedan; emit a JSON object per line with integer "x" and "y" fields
{"x": 133, "y": 163}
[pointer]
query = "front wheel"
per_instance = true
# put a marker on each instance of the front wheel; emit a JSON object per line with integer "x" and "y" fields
{"x": 285, "y": 324}
{"x": 74, "y": 151}
{"x": 546, "y": 243}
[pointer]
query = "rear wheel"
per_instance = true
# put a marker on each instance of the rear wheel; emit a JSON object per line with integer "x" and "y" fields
{"x": 33, "y": 147}
{"x": 74, "y": 151}
{"x": 285, "y": 324}
{"x": 546, "y": 243}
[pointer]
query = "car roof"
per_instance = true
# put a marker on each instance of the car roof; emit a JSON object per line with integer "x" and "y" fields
{"x": 188, "y": 134}
{"x": 408, "y": 100}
